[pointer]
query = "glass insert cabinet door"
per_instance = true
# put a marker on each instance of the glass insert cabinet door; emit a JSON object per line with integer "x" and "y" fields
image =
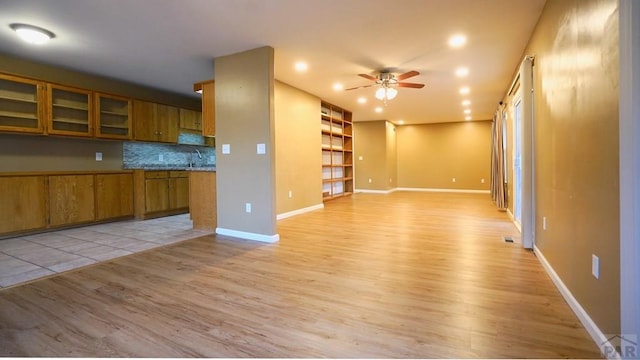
{"x": 69, "y": 111}
{"x": 20, "y": 109}
{"x": 113, "y": 117}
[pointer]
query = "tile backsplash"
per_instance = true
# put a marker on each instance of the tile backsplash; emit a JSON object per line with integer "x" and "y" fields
{"x": 137, "y": 155}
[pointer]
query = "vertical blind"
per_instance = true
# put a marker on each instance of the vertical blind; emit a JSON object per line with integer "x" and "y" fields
{"x": 498, "y": 183}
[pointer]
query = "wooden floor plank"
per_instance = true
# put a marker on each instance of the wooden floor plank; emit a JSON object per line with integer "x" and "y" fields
{"x": 402, "y": 275}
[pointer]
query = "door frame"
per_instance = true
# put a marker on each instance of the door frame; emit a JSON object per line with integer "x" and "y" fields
{"x": 629, "y": 132}
{"x": 518, "y": 110}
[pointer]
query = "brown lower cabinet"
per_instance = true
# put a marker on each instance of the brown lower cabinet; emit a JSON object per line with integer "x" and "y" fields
{"x": 71, "y": 199}
{"x": 161, "y": 193}
{"x": 109, "y": 205}
{"x": 33, "y": 202}
{"x": 23, "y": 206}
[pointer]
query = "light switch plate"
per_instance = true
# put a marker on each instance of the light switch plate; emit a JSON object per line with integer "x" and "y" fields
{"x": 226, "y": 148}
{"x": 261, "y": 149}
{"x": 98, "y": 156}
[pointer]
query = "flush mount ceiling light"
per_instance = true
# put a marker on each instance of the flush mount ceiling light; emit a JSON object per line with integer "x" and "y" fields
{"x": 32, "y": 34}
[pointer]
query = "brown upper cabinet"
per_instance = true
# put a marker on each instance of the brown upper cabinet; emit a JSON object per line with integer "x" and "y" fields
{"x": 69, "y": 111}
{"x": 208, "y": 91}
{"x": 113, "y": 116}
{"x": 155, "y": 122}
{"x": 21, "y": 108}
{"x": 191, "y": 120}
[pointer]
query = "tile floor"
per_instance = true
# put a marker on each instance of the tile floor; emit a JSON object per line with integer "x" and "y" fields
{"x": 30, "y": 257}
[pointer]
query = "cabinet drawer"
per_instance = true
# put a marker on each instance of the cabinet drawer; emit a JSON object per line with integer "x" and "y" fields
{"x": 178, "y": 174}
{"x": 156, "y": 174}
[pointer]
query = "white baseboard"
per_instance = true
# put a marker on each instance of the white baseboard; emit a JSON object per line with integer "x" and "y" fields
{"x": 591, "y": 327}
{"x": 299, "y": 211}
{"x": 444, "y": 190}
{"x": 248, "y": 235}
{"x": 376, "y": 191}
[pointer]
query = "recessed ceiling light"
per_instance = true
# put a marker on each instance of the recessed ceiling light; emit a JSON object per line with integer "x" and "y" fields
{"x": 457, "y": 41}
{"x": 362, "y": 100}
{"x": 32, "y": 34}
{"x": 466, "y": 102}
{"x": 301, "y": 66}
{"x": 467, "y": 111}
{"x": 464, "y": 90}
{"x": 462, "y": 72}
{"x": 378, "y": 109}
{"x": 400, "y": 122}
{"x": 338, "y": 87}
{"x": 467, "y": 118}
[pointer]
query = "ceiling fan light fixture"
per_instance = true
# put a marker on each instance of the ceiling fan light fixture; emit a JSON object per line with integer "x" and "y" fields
{"x": 386, "y": 93}
{"x": 391, "y": 93}
{"x": 32, "y": 34}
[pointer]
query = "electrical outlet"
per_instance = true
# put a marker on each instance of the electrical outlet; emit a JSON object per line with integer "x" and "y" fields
{"x": 370, "y": 181}
{"x": 481, "y": 181}
{"x": 453, "y": 180}
{"x": 390, "y": 180}
{"x": 247, "y": 207}
{"x": 360, "y": 157}
{"x": 290, "y": 194}
{"x": 98, "y": 156}
{"x": 160, "y": 157}
{"x": 544, "y": 223}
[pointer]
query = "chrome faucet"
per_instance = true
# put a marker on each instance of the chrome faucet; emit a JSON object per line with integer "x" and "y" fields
{"x": 191, "y": 163}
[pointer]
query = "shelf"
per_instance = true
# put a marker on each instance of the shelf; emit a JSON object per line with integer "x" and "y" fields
{"x": 71, "y": 121}
{"x": 18, "y": 115}
{"x": 336, "y": 130}
{"x": 114, "y": 126}
{"x": 71, "y": 107}
{"x": 105, "y": 112}
{"x": 9, "y": 98}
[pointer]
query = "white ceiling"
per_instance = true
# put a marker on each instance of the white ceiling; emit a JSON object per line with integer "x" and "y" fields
{"x": 170, "y": 44}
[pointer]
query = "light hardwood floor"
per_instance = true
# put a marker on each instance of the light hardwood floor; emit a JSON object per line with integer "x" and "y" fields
{"x": 403, "y": 275}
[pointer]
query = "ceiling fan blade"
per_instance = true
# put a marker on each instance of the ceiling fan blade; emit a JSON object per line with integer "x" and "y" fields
{"x": 368, "y": 77}
{"x": 407, "y": 75}
{"x": 410, "y": 85}
{"x": 359, "y": 87}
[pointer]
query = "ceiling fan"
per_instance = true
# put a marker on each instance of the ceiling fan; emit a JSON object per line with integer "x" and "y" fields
{"x": 388, "y": 83}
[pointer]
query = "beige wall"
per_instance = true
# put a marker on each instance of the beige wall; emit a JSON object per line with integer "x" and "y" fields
{"x": 370, "y": 144}
{"x": 298, "y": 149}
{"x": 392, "y": 156}
{"x": 244, "y": 118}
{"x": 431, "y": 155}
{"x": 50, "y": 153}
{"x": 576, "y": 150}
